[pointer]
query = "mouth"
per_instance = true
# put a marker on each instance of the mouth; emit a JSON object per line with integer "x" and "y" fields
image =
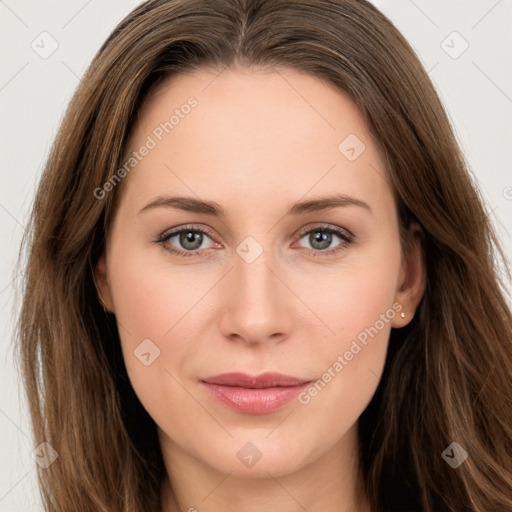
{"x": 260, "y": 394}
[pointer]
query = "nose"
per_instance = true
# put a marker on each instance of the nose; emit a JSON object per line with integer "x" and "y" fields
{"x": 258, "y": 307}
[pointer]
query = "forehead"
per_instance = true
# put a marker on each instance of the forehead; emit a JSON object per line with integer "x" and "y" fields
{"x": 256, "y": 103}
{"x": 270, "y": 132}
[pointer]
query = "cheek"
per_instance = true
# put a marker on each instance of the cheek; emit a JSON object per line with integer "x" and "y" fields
{"x": 152, "y": 307}
{"x": 354, "y": 297}
{"x": 149, "y": 304}
{"x": 152, "y": 296}
{"x": 358, "y": 307}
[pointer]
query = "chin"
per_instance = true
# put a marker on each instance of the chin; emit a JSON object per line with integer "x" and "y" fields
{"x": 256, "y": 459}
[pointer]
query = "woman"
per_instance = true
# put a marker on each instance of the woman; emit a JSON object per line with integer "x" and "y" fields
{"x": 259, "y": 269}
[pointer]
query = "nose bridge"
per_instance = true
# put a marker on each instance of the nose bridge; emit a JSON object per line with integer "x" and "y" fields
{"x": 252, "y": 263}
{"x": 257, "y": 304}
{"x": 255, "y": 282}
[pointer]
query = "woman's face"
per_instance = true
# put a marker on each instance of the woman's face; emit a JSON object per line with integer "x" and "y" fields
{"x": 289, "y": 262}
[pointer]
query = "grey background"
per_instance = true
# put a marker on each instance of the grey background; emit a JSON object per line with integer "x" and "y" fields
{"x": 476, "y": 88}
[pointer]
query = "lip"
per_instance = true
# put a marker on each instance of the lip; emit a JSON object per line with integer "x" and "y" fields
{"x": 259, "y": 394}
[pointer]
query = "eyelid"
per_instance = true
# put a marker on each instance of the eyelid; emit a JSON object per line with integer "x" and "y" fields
{"x": 325, "y": 227}
{"x": 188, "y": 227}
{"x": 300, "y": 233}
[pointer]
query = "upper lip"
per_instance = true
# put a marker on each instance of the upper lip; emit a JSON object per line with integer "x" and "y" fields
{"x": 264, "y": 380}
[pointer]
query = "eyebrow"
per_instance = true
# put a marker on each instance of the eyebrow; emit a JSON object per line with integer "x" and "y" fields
{"x": 212, "y": 208}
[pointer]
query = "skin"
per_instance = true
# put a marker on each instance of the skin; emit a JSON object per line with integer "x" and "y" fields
{"x": 256, "y": 143}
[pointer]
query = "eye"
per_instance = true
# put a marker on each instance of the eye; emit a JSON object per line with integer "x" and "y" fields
{"x": 321, "y": 238}
{"x": 186, "y": 241}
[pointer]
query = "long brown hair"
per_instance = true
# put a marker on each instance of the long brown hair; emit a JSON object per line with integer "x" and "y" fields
{"x": 448, "y": 374}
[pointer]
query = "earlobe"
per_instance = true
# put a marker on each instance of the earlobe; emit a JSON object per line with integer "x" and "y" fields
{"x": 412, "y": 279}
{"x": 102, "y": 286}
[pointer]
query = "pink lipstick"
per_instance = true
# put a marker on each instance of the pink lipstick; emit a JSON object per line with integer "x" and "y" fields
{"x": 258, "y": 394}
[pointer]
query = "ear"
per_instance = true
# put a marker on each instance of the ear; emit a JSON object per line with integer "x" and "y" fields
{"x": 412, "y": 277}
{"x": 102, "y": 286}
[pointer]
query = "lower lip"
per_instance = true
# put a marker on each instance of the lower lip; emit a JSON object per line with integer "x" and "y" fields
{"x": 255, "y": 401}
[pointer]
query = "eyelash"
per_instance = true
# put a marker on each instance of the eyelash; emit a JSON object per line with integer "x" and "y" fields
{"x": 346, "y": 239}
